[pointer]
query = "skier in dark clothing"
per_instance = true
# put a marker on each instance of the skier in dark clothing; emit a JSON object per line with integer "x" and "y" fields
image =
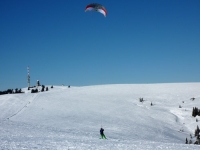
{"x": 102, "y": 134}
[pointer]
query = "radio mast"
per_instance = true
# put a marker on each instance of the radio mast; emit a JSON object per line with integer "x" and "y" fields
{"x": 28, "y": 76}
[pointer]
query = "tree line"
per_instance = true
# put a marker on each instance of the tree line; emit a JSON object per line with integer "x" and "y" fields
{"x": 42, "y": 90}
{"x": 11, "y": 91}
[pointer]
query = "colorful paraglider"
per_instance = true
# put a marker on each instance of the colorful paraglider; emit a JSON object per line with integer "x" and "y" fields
{"x": 96, "y": 7}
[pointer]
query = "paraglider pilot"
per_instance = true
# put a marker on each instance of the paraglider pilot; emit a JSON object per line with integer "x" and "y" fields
{"x": 102, "y": 134}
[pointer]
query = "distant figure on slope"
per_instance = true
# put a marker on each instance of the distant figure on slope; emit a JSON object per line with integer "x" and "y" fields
{"x": 102, "y": 134}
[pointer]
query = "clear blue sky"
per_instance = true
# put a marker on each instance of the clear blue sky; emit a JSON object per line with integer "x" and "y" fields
{"x": 140, "y": 41}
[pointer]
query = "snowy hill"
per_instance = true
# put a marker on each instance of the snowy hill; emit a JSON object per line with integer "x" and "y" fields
{"x": 70, "y": 118}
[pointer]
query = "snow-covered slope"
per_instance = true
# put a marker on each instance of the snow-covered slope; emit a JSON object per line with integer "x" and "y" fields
{"x": 70, "y": 118}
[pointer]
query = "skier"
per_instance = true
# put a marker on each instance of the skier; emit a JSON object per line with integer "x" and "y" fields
{"x": 102, "y": 134}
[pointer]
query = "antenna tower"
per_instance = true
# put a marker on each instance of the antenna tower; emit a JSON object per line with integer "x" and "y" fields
{"x": 28, "y": 76}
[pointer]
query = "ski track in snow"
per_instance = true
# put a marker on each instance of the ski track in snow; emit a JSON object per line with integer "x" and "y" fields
{"x": 25, "y": 106}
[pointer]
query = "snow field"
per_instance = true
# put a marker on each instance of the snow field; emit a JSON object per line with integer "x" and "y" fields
{"x": 70, "y": 118}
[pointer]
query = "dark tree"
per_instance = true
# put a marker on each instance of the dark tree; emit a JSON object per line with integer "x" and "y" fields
{"x": 42, "y": 88}
{"x": 197, "y": 131}
{"x": 198, "y": 112}
{"x": 9, "y": 91}
{"x": 34, "y": 91}
{"x": 190, "y": 142}
{"x": 197, "y": 140}
{"x": 193, "y": 113}
{"x": 186, "y": 141}
{"x": 141, "y": 99}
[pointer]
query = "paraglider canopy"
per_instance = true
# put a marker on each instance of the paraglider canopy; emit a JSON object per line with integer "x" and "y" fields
{"x": 96, "y": 7}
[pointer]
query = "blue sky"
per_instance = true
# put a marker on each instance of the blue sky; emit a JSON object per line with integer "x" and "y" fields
{"x": 140, "y": 41}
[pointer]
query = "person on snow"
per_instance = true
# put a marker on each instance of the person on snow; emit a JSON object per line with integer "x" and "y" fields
{"x": 102, "y": 134}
